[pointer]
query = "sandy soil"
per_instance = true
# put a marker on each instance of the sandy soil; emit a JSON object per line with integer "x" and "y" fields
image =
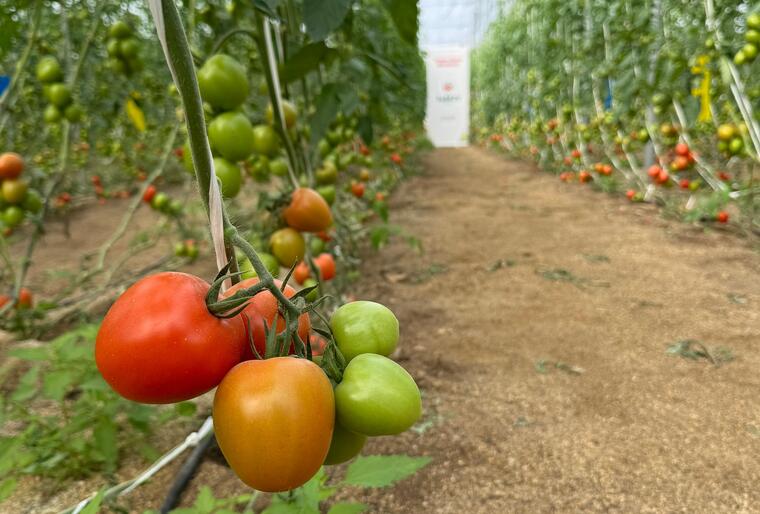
{"x": 537, "y": 323}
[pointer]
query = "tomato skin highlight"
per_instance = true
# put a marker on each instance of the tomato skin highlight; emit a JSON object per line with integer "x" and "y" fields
{"x": 307, "y": 211}
{"x": 159, "y": 344}
{"x": 273, "y": 420}
{"x": 377, "y": 397}
{"x": 263, "y": 308}
{"x": 364, "y": 327}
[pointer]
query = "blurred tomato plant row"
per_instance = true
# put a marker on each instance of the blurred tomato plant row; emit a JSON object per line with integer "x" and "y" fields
{"x": 655, "y": 100}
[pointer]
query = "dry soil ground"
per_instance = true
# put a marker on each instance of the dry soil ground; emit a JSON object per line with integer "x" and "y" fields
{"x": 537, "y": 323}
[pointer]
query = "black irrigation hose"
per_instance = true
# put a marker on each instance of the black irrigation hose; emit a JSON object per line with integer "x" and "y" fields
{"x": 186, "y": 473}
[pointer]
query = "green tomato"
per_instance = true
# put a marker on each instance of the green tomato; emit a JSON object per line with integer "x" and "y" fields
{"x": 377, "y": 397}
{"x": 314, "y": 295}
{"x": 113, "y": 47}
{"x": 324, "y": 148}
{"x": 223, "y": 83}
{"x": 752, "y": 36}
{"x": 49, "y": 70}
{"x": 59, "y": 94}
{"x": 750, "y": 51}
{"x": 120, "y": 30}
{"x": 345, "y": 445}
{"x": 174, "y": 208}
{"x": 278, "y": 167}
{"x": 316, "y": 245}
{"x": 364, "y": 327}
{"x": 260, "y": 171}
{"x": 328, "y": 193}
{"x": 327, "y": 174}
{"x": 129, "y": 48}
{"x": 180, "y": 250}
{"x": 73, "y": 113}
{"x": 52, "y": 114}
{"x": 230, "y": 176}
{"x": 117, "y": 65}
{"x": 288, "y": 110}
{"x": 740, "y": 58}
{"x": 265, "y": 140}
{"x": 13, "y": 216}
{"x": 753, "y": 21}
{"x": 14, "y": 190}
{"x": 32, "y": 201}
{"x": 267, "y": 259}
{"x": 231, "y": 135}
{"x": 134, "y": 64}
{"x": 160, "y": 201}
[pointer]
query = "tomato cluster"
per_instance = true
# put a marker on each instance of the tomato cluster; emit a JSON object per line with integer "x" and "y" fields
{"x": 17, "y": 200}
{"x": 277, "y": 419}
{"x": 58, "y": 94}
{"x": 161, "y": 201}
{"x": 123, "y": 49}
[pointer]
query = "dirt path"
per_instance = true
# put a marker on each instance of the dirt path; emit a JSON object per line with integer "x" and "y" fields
{"x": 536, "y": 323}
{"x": 520, "y": 268}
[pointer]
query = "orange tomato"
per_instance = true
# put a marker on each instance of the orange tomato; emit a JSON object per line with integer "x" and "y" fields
{"x": 307, "y": 211}
{"x": 263, "y": 308}
{"x": 301, "y": 272}
{"x": 11, "y": 165}
{"x": 25, "y": 299}
{"x": 326, "y": 264}
{"x": 274, "y": 421}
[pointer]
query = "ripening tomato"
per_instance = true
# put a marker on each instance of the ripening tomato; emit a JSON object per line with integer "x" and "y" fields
{"x": 325, "y": 262}
{"x": 11, "y": 165}
{"x": 159, "y": 343}
{"x": 14, "y": 191}
{"x": 223, "y": 83}
{"x": 263, "y": 308}
{"x": 307, "y": 211}
{"x": 364, "y": 327}
{"x": 273, "y": 420}
{"x": 4, "y": 299}
{"x": 231, "y": 134}
{"x": 345, "y": 445}
{"x": 288, "y": 110}
{"x": 288, "y": 246}
{"x": 357, "y": 189}
{"x": 230, "y": 176}
{"x": 301, "y": 272}
{"x": 25, "y": 299}
{"x": 377, "y": 397}
{"x": 682, "y": 149}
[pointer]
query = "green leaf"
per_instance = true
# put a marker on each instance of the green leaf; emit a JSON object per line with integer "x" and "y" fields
{"x": 268, "y": 7}
{"x": 55, "y": 384}
{"x": 323, "y": 16}
{"x": 383, "y": 470}
{"x": 205, "y": 501}
{"x": 94, "y": 506}
{"x": 347, "y": 508}
{"x": 7, "y": 487}
{"x": 27, "y": 385}
{"x": 405, "y": 14}
{"x": 105, "y": 441}
{"x": 307, "y": 59}
{"x": 39, "y": 353}
{"x": 185, "y": 408}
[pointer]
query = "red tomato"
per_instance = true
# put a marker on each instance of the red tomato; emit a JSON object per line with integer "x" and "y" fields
{"x": 379, "y": 197}
{"x": 684, "y": 183}
{"x": 680, "y": 163}
{"x": 159, "y": 343}
{"x": 357, "y": 189}
{"x": 326, "y": 264}
{"x": 264, "y": 308}
{"x": 654, "y": 170}
{"x": 663, "y": 177}
{"x": 25, "y": 299}
{"x": 324, "y": 236}
{"x": 630, "y": 194}
{"x": 576, "y": 154}
{"x": 307, "y": 211}
{"x": 301, "y": 272}
{"x": 274, "y": 420}
{"x": 149, "y": 193}
{"x": 4, "y": 299}
{"x": 722, "y": 217}
{"x": 11, "y": 165}
{"x": 682, "y": 149}
{"x": 584, "y": 176}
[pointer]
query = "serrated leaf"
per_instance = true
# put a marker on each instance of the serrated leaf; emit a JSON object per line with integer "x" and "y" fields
{"x": 405, "y": 15}
{"x": 39, "y": 353}
{"x": 347, "y": 508}
{"x": 383, "y": 470}
{"x": 323, "y": 16}
{"x": 55, "y": 384}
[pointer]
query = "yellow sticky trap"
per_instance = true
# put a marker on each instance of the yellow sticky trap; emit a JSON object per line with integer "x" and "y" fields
{"x": 703, "y": 91}
{"x": 136, "y": 115}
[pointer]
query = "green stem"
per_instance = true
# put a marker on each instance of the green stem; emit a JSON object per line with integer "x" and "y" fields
{"x": 229, "y": 34}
